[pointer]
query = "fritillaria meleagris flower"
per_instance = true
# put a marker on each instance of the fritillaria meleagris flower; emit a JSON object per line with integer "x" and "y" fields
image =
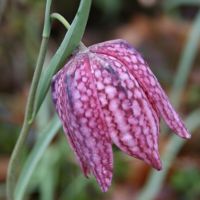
{"x": 107, "y": 94}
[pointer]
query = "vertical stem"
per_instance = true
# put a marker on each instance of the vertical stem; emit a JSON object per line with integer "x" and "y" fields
{"x": 186, "y": 62}
{"x": 15, "y": 157}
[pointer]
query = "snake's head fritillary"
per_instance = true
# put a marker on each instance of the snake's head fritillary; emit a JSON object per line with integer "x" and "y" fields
{"x": 108, "y": 94}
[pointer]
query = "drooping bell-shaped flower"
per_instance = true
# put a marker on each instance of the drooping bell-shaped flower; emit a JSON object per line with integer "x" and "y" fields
{"x": 107, "y": 94}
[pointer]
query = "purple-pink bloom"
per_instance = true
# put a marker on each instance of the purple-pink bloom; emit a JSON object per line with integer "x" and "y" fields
{"x": 108, "y": 94}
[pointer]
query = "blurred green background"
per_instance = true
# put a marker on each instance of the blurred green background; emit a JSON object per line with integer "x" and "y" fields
{"x": 167, "y": 33}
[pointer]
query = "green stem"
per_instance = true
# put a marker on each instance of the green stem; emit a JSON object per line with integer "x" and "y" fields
{"x": 70, "y": 42}
{"x": 61, "y": 19}
{"x": 15, "y": 157}
{"x": 186, "y": 62}
{"x": 66, "y": 24}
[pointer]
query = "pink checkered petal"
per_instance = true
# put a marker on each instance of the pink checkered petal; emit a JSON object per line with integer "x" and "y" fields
{"x": 77, "y": 104}
{"x": 136, "y": 65}
{"x": 131, "y": 120}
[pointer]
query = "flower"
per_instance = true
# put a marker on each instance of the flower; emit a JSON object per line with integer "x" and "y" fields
{"x": 108, "y": 94}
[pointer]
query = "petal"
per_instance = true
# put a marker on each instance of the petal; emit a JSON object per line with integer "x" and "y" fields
{"x": 132, "y": 122}
{"x": 58, "y": 91}
{"x": 136, "y": 65}
{"x": 82, "y": 118}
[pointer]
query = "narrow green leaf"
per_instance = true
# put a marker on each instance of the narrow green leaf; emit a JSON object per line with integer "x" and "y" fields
{"x": 186, "y": 62}
{"x": 35, "y": 156}
{"x": 69, "y": 43}
{"x": 156, "y": 179}
{"x": 170, "y": 4}
{"x": 76, "y": 188}
{"x": 48, "y": 179}
{"x": 174, "y": 145}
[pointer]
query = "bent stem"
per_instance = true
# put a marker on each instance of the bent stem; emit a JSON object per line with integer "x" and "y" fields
{"x": 61, "y": 19}
{"x": 69, "y": 43}
{"x": 66, "y": 24}
{"x": 14, "y": 160}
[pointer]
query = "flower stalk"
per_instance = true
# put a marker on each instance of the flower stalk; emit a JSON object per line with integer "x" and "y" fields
{"x": 14, "y": 160}
{"x": 66, "y": 24}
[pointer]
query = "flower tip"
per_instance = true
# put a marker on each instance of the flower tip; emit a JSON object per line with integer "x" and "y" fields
{"x": 104, "y": 188}
{"x": 159, "y": 168}
{"x": 157, "y": 165}
{"x": 187, "y": 136}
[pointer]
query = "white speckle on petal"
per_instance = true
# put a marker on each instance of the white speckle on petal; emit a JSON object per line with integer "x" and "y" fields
{"x": 150, "y": 117}
{"x": 141, "y": 59}
{"x": 137, "y": 94}
{"x": 126, "y": 58}
{"x": 76, "y": 95}
{"x": 88, "y": 113}
{"x": 84, "y": 98}
{"x": 126, "y": 137}
{"x": 121, "y": 95}
{"x": 124, "y": 128}
{"x": 103, "y": 100}
{"x": 130, "y": 94}
{"x": 100, "y": 85}
{"x": 135, "y": 149}
{"x": 84, "y": 79}
{"x": 126, "y": 104}
{"x": 136, "y": 108}
{"x": 133, "y": 59}
{"x": 83, "y": 120}
{"x": 145, "y": 131}
{"x": 124, "y": 76}
{"x": 130, "y": 83}
{"x": 153, "y": 83}
{"x": 142, "y": 67}
{"x": 113, "y": 105}
{"x": 92, "y": 123}
{"x": 86, "y": 131}
{"x": 81, "y": 86}
{"x": 111, "y": 91}
{"x": 131, "y": 120}
{"x": 108, "y": 119}
{"x": 135, "y": 66}
{"x": 89, "y": 92}
{"x": 137, "y": 132}
{"x": 91, "y": 142}
{"x": 119, "y": 117}
{"x": 149, "y": 142}
{"x": 107, "y": 80}
{"x": 117, "y": 64}
{"x": 96, "y": 158}
{"x": 114, "y": 136}
{"x": 78, "y": 104}
{"x": 97, "y": 73}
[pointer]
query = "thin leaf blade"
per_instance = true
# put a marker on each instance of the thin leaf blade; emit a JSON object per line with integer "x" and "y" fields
{"x": 69, "y": 43}
{"x": 35, "y": 156}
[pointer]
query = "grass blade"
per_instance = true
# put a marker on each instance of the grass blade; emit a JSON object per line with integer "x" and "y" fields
{"x": 186, "y": 61}
{"x": 156, "y": 179}
{"x": 35, "y": 156}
